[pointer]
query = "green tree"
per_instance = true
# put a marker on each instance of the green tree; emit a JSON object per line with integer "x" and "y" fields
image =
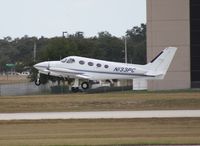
{"x": 104, "y": 46}
{"x": 136, "y": 40}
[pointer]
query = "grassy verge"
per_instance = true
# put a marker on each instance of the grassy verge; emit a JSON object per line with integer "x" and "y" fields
{"x": 100, "y": 132}
{"x": 100, "y": 102}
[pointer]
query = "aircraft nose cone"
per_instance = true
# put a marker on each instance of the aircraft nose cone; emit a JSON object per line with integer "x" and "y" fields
{"x": 41, "y": 65}
{"x": 36, "y": 65}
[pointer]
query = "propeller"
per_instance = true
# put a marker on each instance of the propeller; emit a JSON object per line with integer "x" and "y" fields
{"x": 48, "y": 67}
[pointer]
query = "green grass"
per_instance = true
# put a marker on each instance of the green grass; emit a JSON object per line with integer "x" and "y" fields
{"x": 100, "y": 132}
{"x": 102, "y": 102}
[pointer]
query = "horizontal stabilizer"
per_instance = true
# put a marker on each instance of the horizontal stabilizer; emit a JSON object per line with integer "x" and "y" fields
{"x": 150, "y": 73}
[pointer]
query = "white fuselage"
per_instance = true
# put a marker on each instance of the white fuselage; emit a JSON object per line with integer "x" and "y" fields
{"x": 93, "y": 69}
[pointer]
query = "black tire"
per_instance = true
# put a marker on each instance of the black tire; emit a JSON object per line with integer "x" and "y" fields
{"x": 75, "y": 89}
{"x": 37, "y": 82}
{"x": 85, "y": 85}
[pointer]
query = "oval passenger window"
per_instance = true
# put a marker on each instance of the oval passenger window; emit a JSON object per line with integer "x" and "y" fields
{"x": 81, "y": 62}
{"x": 98, "y": 65}
{"x": 106, "y": 66}
{"x": 90, "y": 63}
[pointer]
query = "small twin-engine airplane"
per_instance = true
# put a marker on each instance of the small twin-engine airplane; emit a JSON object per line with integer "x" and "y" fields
{"x": 89, "y": 69}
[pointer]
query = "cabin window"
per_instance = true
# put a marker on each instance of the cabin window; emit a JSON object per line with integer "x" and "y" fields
{"x": 70, "y": 60}
{"x": 98, "y": 65}
{"x": 90, "y": 63}
{"x": 81, "y": 62}
{"x": 106, "y": 66}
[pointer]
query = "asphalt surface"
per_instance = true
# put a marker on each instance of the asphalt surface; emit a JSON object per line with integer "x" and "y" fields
{"x": 101, "y": 115}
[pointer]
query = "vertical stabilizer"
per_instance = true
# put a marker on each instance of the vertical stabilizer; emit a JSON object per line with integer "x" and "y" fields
{"x": 160, "y": 64}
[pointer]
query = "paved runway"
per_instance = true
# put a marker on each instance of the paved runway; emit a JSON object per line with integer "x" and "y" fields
{"x": 101, "y": 115}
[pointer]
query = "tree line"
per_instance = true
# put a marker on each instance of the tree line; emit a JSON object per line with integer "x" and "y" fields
{"x": 105, "y": 46}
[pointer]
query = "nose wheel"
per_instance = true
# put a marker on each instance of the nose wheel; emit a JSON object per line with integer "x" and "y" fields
{"x": 37, "y": 81}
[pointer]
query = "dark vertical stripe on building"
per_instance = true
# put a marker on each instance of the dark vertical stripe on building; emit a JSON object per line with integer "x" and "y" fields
{"x": 195, "y": 42}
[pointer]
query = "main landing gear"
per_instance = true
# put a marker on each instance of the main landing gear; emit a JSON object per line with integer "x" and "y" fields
{"x": 84, "y": 86}
{"x": 75, "y": 87}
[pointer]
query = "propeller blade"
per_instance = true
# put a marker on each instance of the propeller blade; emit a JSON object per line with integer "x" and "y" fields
{"x": 48, "y": 67}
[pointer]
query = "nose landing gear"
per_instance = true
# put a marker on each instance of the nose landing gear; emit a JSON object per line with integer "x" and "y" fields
{"x": 37, "y": 81}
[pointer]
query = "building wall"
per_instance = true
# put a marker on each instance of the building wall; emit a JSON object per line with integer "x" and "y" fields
{"x": 168, "y": 24}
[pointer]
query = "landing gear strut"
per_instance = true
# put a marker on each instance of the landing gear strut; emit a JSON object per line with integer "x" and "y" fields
{"x": 75, "y": 87}
{"x": 37, "y": 81}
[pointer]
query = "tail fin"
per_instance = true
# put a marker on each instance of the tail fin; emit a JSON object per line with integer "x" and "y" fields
{"x": 160, "y": 64}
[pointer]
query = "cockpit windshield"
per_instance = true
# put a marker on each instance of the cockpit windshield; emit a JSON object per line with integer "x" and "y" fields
{"x": 68, "y": 60}
{"x": 63, "y": 60}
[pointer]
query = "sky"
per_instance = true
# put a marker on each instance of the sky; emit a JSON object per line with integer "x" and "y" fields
{"x": 49, "y": 18}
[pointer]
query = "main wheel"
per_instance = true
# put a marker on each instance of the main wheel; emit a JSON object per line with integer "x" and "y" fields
{"x": 85, "y": 85}
{"x": 37, "y": 82}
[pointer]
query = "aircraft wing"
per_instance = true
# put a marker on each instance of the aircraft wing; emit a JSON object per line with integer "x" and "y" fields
{"x": 84, "y": 76}
{"x": 62, "y": 70}
{"x": 66, "y": 72}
